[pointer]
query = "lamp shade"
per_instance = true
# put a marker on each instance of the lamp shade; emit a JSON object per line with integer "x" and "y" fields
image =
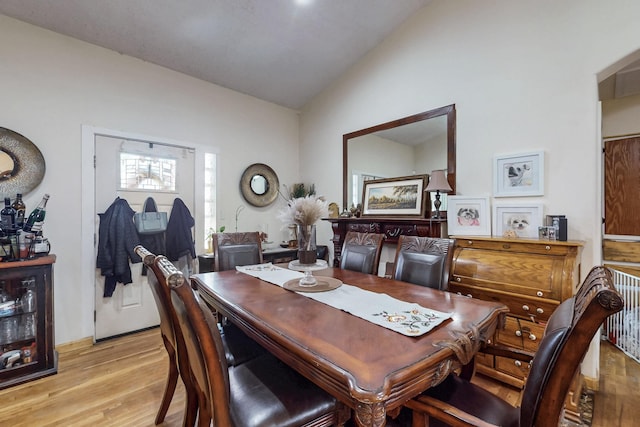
{"x": 438, "y": 182}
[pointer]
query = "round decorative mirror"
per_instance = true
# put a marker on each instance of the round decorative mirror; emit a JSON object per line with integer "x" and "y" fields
{"x": 22, "y": 164}
{"x": 259, "y": 185}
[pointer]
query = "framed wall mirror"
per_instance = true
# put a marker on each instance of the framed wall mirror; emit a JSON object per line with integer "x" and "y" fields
{"x": 22, "y": 165}
{"x": 259, "y": 185}
{"x": 412, "y": 145}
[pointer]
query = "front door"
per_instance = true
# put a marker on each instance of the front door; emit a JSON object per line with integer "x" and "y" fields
{"x": 132, "y": 307}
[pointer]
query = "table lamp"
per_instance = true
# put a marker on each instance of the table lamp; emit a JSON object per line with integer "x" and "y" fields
{"x": 438, "y": 182}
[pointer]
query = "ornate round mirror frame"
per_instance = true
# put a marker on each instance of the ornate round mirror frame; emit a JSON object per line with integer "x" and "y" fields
{"x": 28, "y": 163}
{"x": 269, "y": 175}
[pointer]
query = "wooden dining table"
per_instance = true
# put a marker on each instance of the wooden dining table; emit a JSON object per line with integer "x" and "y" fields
{"x": 372, "y": 369}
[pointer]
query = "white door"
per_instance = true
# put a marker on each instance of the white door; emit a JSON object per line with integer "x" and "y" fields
{"x": 132, "y": 307}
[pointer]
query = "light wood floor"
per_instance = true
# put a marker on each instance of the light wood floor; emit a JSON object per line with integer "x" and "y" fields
{"x": 120, "y": 383}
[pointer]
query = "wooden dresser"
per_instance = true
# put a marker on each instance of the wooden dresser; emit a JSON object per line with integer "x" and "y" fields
{"x": 532, "y": 277}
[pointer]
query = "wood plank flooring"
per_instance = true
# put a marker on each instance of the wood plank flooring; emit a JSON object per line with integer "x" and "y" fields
{"x": 120, "y": 383}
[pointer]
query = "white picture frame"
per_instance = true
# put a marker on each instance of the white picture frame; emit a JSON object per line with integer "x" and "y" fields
{"x": 519, "y": 175}
{"x": 522, "y": 219}
{"x": 468, "y": 216}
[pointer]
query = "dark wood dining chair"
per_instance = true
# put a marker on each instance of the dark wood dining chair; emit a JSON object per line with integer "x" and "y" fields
{"x": 424, "y": 261}
{"x": 259, "y": 392}
{"x": 178, "y": 366}
{"x": 567, "y": 336}
{"x": 361, "y": 252}
{"x": 235, "y": 249}
{"x": 238, "y": 347}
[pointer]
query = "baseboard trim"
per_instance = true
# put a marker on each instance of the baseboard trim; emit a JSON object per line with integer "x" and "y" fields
{"x": 75, "y": 345}
{"x": 592, "y": 384}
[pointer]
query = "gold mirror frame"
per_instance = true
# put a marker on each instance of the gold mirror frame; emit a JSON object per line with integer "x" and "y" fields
{"x": 449, "y": 111}
{"x": 28, "y": 164}
{"x": 271, "y": 178}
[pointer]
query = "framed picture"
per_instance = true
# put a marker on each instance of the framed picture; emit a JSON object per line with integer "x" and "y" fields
{"x": 519, "y": 220}
{"x": 402, "y": 196}
{"x": 519, "y": 175}
{"x": 468, "y": 216}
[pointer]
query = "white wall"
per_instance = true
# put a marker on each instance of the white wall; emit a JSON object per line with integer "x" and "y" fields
{"x": 523, "y": 78}
{"x": 51, "y": 85}
{"x": 620, "y": 116}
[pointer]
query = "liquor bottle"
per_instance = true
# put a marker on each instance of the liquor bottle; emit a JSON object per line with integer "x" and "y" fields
{"x": 8, "y": 215}
{"x": 20, "y": 207}
{"x": 33, "y": 224}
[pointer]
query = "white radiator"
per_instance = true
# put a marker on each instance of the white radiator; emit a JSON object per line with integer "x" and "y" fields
{"x": 623, "y": 328}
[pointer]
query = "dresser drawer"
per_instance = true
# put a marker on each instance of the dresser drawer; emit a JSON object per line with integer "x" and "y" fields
{"x": 520, "y": 333}
{"x": 526, "y": 267}
{"x": 484, "y": 359}
{"x": 520, "y": 245}
{"x": 522, "y": 306}
{"x": 519, "y": 272}
{"x": 515, "y": 368}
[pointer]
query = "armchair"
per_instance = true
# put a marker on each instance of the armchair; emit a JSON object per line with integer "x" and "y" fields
{"x": 457, "y": 402}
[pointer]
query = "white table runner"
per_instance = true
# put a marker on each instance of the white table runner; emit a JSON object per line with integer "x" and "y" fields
{"x": 407, "y": 318}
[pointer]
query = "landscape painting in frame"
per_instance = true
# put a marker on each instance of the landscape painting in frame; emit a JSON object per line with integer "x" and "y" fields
{"x": 519, "y": 175}
{"x": 468, "y": 216}
{"x": 402, "y": 196}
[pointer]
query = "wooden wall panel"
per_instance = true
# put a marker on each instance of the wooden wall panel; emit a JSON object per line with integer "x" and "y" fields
{"x": 621, "y": 251}
{"x": 622, "y": 186}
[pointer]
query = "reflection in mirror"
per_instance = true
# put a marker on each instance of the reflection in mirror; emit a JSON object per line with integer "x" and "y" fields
{"x": 259, "y": 184}
{"x": 6, "y": 165}
{"x": 412, "y": 145}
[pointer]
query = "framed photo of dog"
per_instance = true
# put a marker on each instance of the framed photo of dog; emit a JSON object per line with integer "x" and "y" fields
{"x": 519, "y": 175}
{"x": 468, "y": 216}
{"x": 517, "y": 220}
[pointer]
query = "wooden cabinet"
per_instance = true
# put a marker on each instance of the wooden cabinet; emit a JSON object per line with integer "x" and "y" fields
{"x": 391, "y": 227}
{"x": 532, "y": 277}
{"x": 27, "y": 349}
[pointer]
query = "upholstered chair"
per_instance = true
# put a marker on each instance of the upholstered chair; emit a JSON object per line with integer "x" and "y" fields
{"x": 424, "y": 261}
{"x": 238, "y": 347}
{"x": 567, "y": 336}
{"x": 177, "y": 365}
{"x": 260, "y": 392}
{"x": 361, "y": 252}
{"x": 236, "y": 249}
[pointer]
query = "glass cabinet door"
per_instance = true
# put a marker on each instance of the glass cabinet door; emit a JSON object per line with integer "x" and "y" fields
{"x": 18, "y": 322}
{"x": 27, "y": 349}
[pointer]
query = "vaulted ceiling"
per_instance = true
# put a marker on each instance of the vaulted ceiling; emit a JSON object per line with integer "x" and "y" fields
{"x": 282, "y": 51}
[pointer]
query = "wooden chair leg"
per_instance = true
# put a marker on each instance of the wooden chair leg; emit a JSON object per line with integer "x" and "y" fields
{"x": 190, "y": 409}
{"x": 204, "y": 417}
{"x": 419, "y": 420}
{"x": 170, "y": 387}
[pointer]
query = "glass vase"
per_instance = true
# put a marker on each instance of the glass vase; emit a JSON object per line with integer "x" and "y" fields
{"x": 307, "y": 244}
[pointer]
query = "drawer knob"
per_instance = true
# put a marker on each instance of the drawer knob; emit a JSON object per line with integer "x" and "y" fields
{"x": 532, "y": 337}
{"x": 458, "y": 279}
{"x": 548, "y": 247}
{"x": 470, "y": 296}
{"x": 539, "y": 310}
{"x": 470, "y": 242}
{"x": 505, "y": 246}
{"x": 525, "y": 307}
{"x": 518, "y": 333}
{"x": 539, "y": 293}
{"x": 518, "y": 363}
